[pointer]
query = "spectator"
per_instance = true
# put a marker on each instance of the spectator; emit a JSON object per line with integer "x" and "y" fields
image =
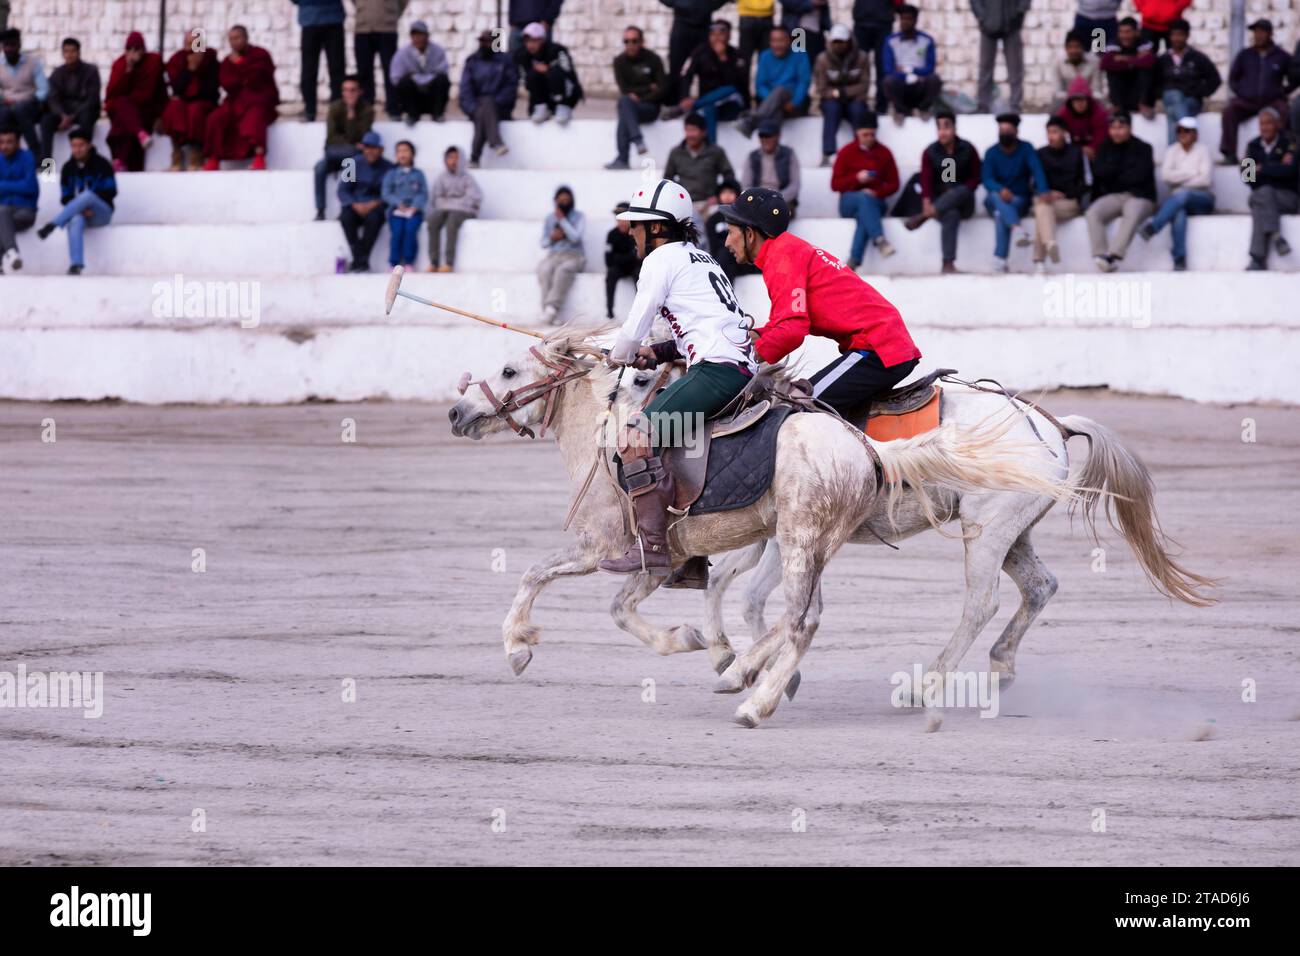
{"x": 1066, "y": 169}
{"x": 134, "y": 100}
{"x": 73, "y": 99}
{"x": 549, "y": 76}
{"x": 1157, "y": 16}
{"x": 950, "y": 174}
{"x": 565, "y": 258}
{"x": 621, "y": 260}
{"x": 639, "y": 74}
{"x": 19, "y": 193}
{"x": 1185, "y": 78}
{"x": 690, "y": 28}
{"x": 1001, "y": 20}
{"x": 813, "y": 17}
{"x": 780, "y": 84}
{"x": 405, "y": 193}
{"x": 237, "y": 128}
{"x": 1077, "y": 63}
{"x": 361, "y": 199}
{"x": 489, "y": 84}
{"x": 698, "y": 165}
{"x": 1124, "y": 188}
{"x": 374, "y": 33}
{"x": 1012, "y": 176}
{"x": 1130, "y": 66}
{"x": 88, "y": 186}
{"x": 523, "y": 12}
{"x": 456, "y": 197}
{"x": 195, "y": 81}
{"x": 1275, "y": 188}
{"x": 910, "y": 80}
{"x": 865, "y": 175}
{"x": 774, "y": 165}
{"x": 1188, "y": 172}
{"x": 1093, "y": 15}
{"x": 1258, "y": 78}
{"x": 420, "y": 75}
{"x": 873, "y": 22}
{"x": 723, "y": 77}
{"x": 755, "y": 19}
{"x": 346, "y": 121}
{"x": 23, "y": 89}
{"x": 841, "y": 75}
{"x": 1295, "y": 85}
{"x": 322, "y": 30}
{"x": 716, "y": 233}
{"x": 1085, "y": 118}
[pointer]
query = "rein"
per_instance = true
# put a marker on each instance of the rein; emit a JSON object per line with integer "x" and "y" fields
{"x": 562, "y": 372}
{"x": 1013, "y": 397}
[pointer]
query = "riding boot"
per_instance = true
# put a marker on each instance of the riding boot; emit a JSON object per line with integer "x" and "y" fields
{"x": 693, "y": 574}
{"x": 651, "y": 488}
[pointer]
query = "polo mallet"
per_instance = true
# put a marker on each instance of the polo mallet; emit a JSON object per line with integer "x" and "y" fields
{"x": 395, "y": 289}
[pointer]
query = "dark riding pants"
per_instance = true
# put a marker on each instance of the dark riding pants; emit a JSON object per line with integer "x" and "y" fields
{"x": 856, "y": 377}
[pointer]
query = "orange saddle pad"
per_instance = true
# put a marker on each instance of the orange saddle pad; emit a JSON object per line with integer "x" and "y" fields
{"x": 908, "y": 424}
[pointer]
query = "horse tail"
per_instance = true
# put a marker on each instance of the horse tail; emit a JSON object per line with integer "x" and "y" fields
{"x": 1114, "y": 474}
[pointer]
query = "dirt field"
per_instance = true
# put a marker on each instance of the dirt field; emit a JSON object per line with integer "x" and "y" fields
{"x": 328, "y": 561}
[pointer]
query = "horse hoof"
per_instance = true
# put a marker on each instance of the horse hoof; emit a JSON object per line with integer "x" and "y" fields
{"x": 1006, "y": 676}
{"x": 933, "y": 721}
{"x": 724, "y": 662}
{"x": 519, "y": 660}
{"x": 728, "y": 685}
{"x": 689, "y": 637}
{"x": 746, "y": 718}
{"x": 792, "y": 686}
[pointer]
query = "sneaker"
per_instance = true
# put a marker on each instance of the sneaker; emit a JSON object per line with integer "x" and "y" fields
{"x": 896, "y": 116}
{"x": 1040, "y": 267}
{"x": 320, "y": 216}
{"x": 999, "y": 264}
{"x": 744, "y": 127}
{"x": 440, "y": 118}
{"x": 541, "y": 113}
{"x": 950, "y": 269}
{"x": 1102, "y": 263}
{"x": 1146, "y": 232}
{"x": 502, "y": 149}
{"x": 410, "y": 121}
{"x": 259, "y": 161}
{"x": 914, "y": 223}
{"x": 641, "y": 148}
{"x": 1022, "y": 238}
{"x": 1180, "y": 265}
{"x": 853, "y": 264}
{"x": 1054, "y": 252}
{"x": 45, "y": 230}
{"x": 445, "y": 267}
{"x": 12, "y": 260}
{"x": 883, "y": 247}
{"x": 430, "y": 268}
{"x": 1282, "y": 246}
{"x": 473, "y": 164}
{"x": 563, "y": 114}
{"x": 75, "y": 270}
{"x": 828, "y": 160}
{"x": 672, "y": 113}
{"x": 1227, "y": 159}
{"x": 617, "y": 164}
{"x": 1256, "y": 265}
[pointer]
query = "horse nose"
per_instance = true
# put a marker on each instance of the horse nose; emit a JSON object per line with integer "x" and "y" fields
{"x": 454, "y": 414}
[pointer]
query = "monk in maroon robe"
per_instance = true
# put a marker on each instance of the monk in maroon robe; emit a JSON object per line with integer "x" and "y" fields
{"x": 196, "y": 87}
{"x": 134, "y": 99}
{"x": 237, "y": 128}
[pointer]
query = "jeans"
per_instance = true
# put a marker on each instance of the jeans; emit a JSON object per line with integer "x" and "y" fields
{"x": 1013, "y": 50}
{"x": 1177, "y": 105}
{"x": 330, "y": 39}
{"x": 1086, "y": 25}
{"x": 331, "y": 163}
{"x": 383, "y": 45}
{"x": 835, "y": 112}
{"x": 404, "y": 238}
{"x": 631, "y": 114}
{"x": 710, "y": 105}
{"x": 1174, "y": 212}
{"x": 72, "y": 217}
{"x": 1005, "y": 215}
{"x": 867, "y": 210}
{"x": 957, "y": 203}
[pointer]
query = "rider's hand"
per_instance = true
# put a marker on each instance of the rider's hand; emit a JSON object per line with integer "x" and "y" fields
{"x": 645, "y": 358}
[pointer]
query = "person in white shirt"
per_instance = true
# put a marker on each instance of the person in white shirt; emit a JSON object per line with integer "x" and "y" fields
{"x": 1188, "y": 171}
{"x": 685, "y": 286}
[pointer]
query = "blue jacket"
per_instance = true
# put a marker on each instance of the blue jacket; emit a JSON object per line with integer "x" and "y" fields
{"x": 18, "y": 186}
{"x": 369, "y": 183}
{"x": 319, "y": 13}
{"x": 791, "y": 71}
{"x": 1021, "y": 171}
{"x": 898, "y": 49}
{"x": 95, "y": 174}
{"x": 406, "y": 187}
{"x": 494, "y": 76}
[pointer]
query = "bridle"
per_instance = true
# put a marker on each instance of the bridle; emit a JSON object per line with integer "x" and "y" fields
{"x": 563, "y": 370}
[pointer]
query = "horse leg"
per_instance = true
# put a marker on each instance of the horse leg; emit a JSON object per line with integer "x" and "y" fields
{"x": 519, "y": 632}
{"x": 731, "y": 566}
{"x": 765, "y": 580}
{"x": 1037, "y": 585}
{"x": 663, "y": 640}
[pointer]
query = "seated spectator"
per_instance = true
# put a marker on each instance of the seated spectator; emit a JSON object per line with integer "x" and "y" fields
{"x": 755, "y": 20}
{"x": 361, "y": 198}
{"x": 1000, "y": 20}
{"x": 134, "y": 100}
{"x": 1275, "y": 189}
{"x": 774, "y": 165}
{"x": 1012, "y": 175}
{"x": 23, "y": 89}
{"x": 1185, "y": 78}
{"x": 1085, "y": 118}
{"x": 520, "y": 13}
{"x": 420, "y": 75}
{"x": 549, "y": 76}
{"x": 237, "y": 128}
{"x": 813, "y": 17}
{"x": 639, "y": 74}
{"x": 1189, "y": 174}
{"x": 405, "y": 193}
{"x": 698, "y": 165}
{"x": 950, "y": 174}
{"x": 621, "y": 260}
{"x": 73, "y": 99}
{"x": 840, "y": 76}
{"x": 456, "y": 197}
{"x": 723, "y": 77}
{"x": 196, "y": 86}
{"x": 1258, "y": 78}
{"x": 489, "y": 84}
{"x": 1130, "y": 68}
{"x": 910, "y": 80}
{"x": 1066, "y": 170}
{"x": 347, "y": 120}
{"x": 780, "y": 84}
{"x": 1093, "y": 15}
{"x": 865, "y": 175}
{"x": 1157, "y": 17}
{"x": 1124, "y": 188}
{"x": 715, "y": 232}
{"x": 565, "y": 256}
{"x": 19, "y": 193}
{"x": 87, "y": 187}
{"x": 1077, "y": 63}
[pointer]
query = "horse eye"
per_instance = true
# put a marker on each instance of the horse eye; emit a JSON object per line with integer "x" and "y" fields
{"x": 507, "y": 372}
{"x": 640, "y": 381}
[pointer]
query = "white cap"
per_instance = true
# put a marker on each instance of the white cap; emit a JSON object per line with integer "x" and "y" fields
{"x": 1188, "y": 122}
{"x": 535, "y": 30}
{"x": 665, "y": 201}
{"x": 841, "y": 32}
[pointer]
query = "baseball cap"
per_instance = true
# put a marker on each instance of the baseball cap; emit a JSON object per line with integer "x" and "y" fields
{"x": 769, "y": 127}
{"x": 841, "y": 33}
{"x": 535, "y": 31}
{"x": 419, "y": 26}
{"x": 1262, "y": 24}
{"x": 372, "y": 139}
{"x": 1188, "y": 122}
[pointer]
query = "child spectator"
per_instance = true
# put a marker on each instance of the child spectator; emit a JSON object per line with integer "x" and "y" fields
{"x": 715, "y": 231}
{"x": 405, "y": 193}
{"x": 1085, "y": 118}
{"x": 456, "y": 197}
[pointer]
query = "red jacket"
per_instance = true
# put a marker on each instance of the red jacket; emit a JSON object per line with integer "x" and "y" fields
{"x": 877, "y": 159}
{"x": 813, "y": 293}
{"x": 1087, "y": 128}
{"x": 1158, "y": 14}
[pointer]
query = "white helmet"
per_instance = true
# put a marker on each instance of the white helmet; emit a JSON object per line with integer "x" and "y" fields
{"x": 665, "y": 201}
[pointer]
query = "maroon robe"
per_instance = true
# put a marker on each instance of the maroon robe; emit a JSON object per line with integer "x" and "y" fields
{"x": 194, "y": 96}
{"x": 133, "y": 100}
{"x": 238, "y": 126}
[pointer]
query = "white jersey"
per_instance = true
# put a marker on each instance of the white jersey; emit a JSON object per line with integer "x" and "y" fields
{"x": 687, "y": 288}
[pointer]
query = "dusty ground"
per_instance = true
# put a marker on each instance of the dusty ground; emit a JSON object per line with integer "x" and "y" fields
{"x": 374, "y": 561}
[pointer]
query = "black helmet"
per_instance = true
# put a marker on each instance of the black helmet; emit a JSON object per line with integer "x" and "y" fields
{"x": 764, "y": 209}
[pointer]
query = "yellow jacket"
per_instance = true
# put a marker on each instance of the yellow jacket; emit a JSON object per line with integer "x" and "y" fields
{"x": 755, "y": 8}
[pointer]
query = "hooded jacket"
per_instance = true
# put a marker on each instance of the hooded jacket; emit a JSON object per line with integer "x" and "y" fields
{"x": 1087, "y": 128}
{"x": 849, "y": 75}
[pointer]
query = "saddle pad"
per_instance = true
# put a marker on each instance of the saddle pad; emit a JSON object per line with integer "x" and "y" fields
{"x": 741, "y": 465}
{"x": 909, "y": 424}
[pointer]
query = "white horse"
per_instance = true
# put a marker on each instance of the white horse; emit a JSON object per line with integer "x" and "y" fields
{"x": 824, "y": 480}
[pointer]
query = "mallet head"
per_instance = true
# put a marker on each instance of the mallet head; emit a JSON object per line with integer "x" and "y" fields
{"x": 394, "y": 283}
